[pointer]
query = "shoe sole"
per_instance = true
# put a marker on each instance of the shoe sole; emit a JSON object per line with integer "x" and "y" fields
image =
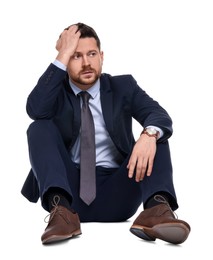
{"x": 58, "y": 238}
{"x": 175, "y": 233}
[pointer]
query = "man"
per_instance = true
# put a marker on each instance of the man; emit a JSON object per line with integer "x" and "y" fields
{"x": 72, "y": 99}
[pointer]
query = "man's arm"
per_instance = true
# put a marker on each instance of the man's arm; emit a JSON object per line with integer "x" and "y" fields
{"x": 41, "y": 102}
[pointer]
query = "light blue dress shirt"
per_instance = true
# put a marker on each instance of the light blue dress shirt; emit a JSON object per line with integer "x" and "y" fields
{"x": 107, "y": 154}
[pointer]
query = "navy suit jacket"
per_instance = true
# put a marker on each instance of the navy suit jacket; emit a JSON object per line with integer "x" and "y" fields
{"x": 121, "y": 100}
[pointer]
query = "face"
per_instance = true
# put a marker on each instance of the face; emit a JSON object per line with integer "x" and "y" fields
{"x": 85, "y": 65}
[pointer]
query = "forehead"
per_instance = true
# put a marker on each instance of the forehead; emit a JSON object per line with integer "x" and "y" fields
{"x": 86, "y": 44}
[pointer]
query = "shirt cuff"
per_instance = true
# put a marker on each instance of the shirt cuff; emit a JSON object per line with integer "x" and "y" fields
{"x": 161, "y": 133}
{"x": 60, "y": 65}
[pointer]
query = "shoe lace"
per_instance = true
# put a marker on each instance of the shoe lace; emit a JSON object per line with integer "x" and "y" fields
{"x": 161, "y": 199}
{"x": 55, "y": 203}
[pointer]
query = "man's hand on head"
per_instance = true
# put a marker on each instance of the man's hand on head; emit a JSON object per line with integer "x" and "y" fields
{"x": 67, "y": 44}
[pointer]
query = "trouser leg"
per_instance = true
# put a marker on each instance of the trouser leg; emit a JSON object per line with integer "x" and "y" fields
{"x": 119, "y": 197}
{"x": 161, "y": 179}
{"x": 49, "y": 158}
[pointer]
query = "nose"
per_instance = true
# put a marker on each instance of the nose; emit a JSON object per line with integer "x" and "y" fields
{"x": 85, "y": 60}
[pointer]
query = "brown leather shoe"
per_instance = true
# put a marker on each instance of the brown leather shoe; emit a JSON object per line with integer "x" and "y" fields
{"x": 62, "y": 224}
{"x": 160, "y": 222}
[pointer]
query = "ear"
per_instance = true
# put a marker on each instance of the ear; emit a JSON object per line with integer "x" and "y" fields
{"x": 102, "y": 57}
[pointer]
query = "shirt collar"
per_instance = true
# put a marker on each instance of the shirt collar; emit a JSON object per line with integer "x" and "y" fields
{"x": 93, "y": 91}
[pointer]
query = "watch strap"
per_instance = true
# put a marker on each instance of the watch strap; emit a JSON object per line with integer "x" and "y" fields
{"x": 156, "y": 135}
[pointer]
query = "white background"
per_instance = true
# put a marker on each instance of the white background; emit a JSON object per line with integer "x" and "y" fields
{"x": 167, "y": 46}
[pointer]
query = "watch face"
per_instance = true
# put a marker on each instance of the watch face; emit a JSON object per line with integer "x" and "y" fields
{"x": 151, "y": 131}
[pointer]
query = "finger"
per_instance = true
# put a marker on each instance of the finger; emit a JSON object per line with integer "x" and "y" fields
{"x": 140, "y": 170}
{"x": 58, "y": 43}
{"x": 131, "y": 166}
{"x": 73, "y": 28}
{"x": 70, "y": 29}
{"x": 138, "y": 176}
{"x": 150, "y": 167}
{"x": 64, "y": 31}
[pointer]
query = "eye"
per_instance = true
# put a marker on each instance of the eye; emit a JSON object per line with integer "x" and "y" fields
{"x": 92, "y": 53}
{"x": 76, "y": 56}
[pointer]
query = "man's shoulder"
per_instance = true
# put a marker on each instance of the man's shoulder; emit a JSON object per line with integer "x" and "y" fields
{"x": 116, "y": 77}
{"x": 117, "y": 83}
{"x": 117, "y": 80}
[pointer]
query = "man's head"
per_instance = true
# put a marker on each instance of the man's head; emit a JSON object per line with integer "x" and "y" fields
{"x": 85, "y": 65}
{"x": 88, "y": 32}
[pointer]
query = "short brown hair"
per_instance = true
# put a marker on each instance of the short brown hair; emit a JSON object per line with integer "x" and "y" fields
{"x": 87, "y": 32}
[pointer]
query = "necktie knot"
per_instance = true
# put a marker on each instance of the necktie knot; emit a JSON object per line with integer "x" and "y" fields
{"x": 85, "y": 96}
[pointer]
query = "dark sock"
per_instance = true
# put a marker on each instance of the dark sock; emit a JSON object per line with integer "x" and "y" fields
{"x": 151, "y": 202}
{"x": 57, "y": 196}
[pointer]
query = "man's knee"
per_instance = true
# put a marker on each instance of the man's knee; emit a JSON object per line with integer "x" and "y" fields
{"x": 40, "y": 125}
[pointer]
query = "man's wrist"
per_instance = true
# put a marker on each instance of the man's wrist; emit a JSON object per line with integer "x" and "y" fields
{"x": 60, "y": 65}
{"x": 63, "y": 57}
{"x": 151, "y": 131}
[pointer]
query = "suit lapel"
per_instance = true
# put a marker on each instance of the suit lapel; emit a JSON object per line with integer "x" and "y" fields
{"x": 75, "y": 102}
{"x": 106, "y": 103}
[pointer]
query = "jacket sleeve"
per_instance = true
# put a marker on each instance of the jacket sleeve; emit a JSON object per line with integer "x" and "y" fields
{"x": 148, "y": 111}
{"x": 41, "y": 102}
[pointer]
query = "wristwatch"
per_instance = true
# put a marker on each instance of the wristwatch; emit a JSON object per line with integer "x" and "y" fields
{"x": 151, "y": 131}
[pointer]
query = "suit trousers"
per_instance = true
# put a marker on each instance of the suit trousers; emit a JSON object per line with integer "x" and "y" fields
{"x": 118, "y": 197}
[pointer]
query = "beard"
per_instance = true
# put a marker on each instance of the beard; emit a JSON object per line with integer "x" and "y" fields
{"x": 86, "y": 77}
